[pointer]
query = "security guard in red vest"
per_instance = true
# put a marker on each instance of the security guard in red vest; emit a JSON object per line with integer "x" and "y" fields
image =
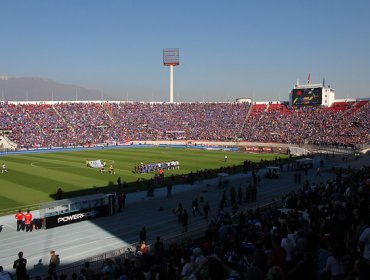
{"x": 19, "y": 217}
{"x": 28, "y": 221}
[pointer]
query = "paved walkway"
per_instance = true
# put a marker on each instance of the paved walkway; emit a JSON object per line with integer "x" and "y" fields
{"x": 89, "y": 238}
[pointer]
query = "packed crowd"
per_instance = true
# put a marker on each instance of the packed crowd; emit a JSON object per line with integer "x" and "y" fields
{"x": 322, "y": 232}
{"x": 84, "y": 124}
{"x": 310, "y": 125}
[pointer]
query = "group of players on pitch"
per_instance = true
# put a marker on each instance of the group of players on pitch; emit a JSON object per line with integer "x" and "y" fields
{"x": 110, "y": 169}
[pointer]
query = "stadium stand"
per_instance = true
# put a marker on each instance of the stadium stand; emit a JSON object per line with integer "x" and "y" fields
{"x": 86, "y": 124}
{"x": 310, "y": 125}
{"x": 251, "y": 245}
{"x": 258, "y": 108}
{"x": 317, "y": 232}
{"x": 281, "y": 108}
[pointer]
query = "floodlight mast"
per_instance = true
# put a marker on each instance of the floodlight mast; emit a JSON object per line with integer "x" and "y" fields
{"x": 171, "y": 58}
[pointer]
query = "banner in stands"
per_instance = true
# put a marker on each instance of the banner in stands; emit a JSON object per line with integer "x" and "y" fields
{"x": 94, "y": 163}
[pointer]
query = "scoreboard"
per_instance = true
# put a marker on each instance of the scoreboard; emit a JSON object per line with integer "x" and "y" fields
{"x": 307, "y": 96}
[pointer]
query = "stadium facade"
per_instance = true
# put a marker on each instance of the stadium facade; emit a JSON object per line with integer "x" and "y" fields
{"x": 312, "y": 116}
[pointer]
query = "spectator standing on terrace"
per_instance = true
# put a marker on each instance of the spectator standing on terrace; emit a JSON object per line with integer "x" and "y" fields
{"x": 5, "y": 275}
{"x": 90, "y": 275}
{"x": 240, "y": 194}
{"x": 318, "y": 172}
{"x": 142, "y": 235}
{"x": 278, "y": 254}
{"x": 168, "y": 271}
{"x": 20, "y": 267}
{"x": 119, "y": 182}
{"x": 206, "y": 209}
{"x": 184, "y": 220}
{"x": 158, "y": 250}
{"x": 169, "y": 190}
{"x": 108, "y": 270}
{"x": 188, "y": 266}
{"x": 335, "y": 264}
{"x": 53, "y": 262}
{"x": 364, "y": 242}
{"x": 123, "y": 200}
{"x": 120, "y": 201}
{"x": 195, "y": 207}
{"x": 179, "y": 209}
{"x": 19, "y": 217}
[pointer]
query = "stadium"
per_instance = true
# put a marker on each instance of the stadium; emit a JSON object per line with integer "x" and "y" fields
{"x": 333, "y": 135}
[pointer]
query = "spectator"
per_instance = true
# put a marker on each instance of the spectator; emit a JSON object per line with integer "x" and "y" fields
{"x": 142, "y": 234}
{"x": 20, "y": 267}
{"x": 364, "y": 241}
{"x": 5, "y": 275}
{"x": 90, "y": 275}
{"x": 108, "y": 270}
{"x": 53, "y": 263}
{"x": 59, "y": 193}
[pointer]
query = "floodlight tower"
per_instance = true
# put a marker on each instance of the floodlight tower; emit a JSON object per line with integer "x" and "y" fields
{"x": 171, "y": 58}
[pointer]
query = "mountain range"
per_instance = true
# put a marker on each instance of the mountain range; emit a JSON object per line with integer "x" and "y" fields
{"x": 42, "y": 89}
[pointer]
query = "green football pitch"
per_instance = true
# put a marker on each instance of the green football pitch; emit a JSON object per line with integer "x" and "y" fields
{"x": 34, "y": 178}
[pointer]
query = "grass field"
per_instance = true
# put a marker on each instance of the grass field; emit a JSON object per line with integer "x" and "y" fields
{"x": 33, "y": 178}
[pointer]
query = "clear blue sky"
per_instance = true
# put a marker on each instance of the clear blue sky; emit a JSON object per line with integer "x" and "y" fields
{"x": 228, "y": 49}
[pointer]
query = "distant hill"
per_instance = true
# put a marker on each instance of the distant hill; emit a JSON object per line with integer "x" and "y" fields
{"x": 41, "y": 89}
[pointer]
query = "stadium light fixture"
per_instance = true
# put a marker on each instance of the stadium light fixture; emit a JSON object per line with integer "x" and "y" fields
{"x": 171, "y": 58}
